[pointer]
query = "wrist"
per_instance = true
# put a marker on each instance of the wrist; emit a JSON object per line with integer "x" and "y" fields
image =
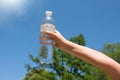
{"x": 66, "y": 46}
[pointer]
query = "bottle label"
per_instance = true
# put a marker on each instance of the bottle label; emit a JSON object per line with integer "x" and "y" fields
{"x": 47, "y": 27}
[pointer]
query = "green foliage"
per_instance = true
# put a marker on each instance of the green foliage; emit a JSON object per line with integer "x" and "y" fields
{"x": 36, "y": 74}
{"x": 41, "y": 69}
{"x": 43, "y": 51}
{"x": 96, "y": 74}
{"x": 79, "y": 40}
{"x": 112, "y": 50}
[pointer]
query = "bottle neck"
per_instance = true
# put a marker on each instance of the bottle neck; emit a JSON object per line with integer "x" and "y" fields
{"x": 48, "y": 17}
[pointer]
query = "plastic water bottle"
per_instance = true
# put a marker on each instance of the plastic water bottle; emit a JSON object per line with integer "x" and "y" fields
{"x": 46, "y": 50}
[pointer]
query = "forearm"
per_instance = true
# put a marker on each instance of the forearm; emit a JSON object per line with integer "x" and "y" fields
{"x": 95, "y": 58}
{"x": 89, "y": 55}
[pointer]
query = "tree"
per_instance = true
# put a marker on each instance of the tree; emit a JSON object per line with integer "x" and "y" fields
{"x": 39, "y": 72}
{"x": 112, "y": 50}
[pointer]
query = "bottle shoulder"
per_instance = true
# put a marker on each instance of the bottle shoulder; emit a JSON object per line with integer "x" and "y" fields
{"x": 48, "y": 20}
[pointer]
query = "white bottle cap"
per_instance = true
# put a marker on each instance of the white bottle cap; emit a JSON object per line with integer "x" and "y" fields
{"x": 48, "y": 13}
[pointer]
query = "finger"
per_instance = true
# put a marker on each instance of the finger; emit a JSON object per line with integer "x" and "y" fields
{"x": 54, "y": 43}
{"x": 52, "y": 34}
{"x": 45, "y": 38}
{"x": 43, "y": 42}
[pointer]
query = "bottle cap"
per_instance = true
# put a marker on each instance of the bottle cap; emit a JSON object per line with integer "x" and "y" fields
{"x": 48, "y": 13}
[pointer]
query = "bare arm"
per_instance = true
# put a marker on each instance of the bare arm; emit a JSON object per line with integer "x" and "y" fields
{"x": 96, "y": 58}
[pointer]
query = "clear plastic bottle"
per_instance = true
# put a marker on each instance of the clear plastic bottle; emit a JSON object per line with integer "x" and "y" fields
{"x": 46, "y": 49}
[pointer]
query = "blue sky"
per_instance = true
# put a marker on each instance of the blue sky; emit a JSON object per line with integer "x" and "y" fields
{"x": 97, "y": 20}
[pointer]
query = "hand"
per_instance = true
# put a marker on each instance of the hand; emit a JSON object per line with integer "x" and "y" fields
{"x": 58, "y": 39}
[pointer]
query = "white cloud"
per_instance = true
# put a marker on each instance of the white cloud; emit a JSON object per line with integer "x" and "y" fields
{"x": 11, "y": 4}
{"x": 13, "y": 7}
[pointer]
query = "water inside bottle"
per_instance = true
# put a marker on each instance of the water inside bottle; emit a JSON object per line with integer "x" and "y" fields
{"x": 45, "y": 49}
{"x": 46, "y": 52}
